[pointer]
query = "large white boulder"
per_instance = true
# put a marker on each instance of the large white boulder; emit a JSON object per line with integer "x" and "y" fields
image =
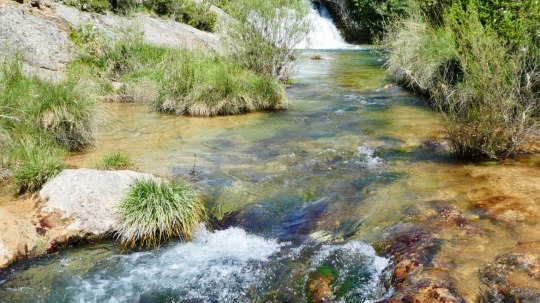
{"x": 88, "y": 198}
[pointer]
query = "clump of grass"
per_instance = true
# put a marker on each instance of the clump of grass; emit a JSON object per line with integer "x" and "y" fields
{"x": 116, "y": 161}
{"x": 156, "y": 211}
{"x": 37, "y": 164}
{"x": 63, "y": 111}
{"x": 208, "y": 85}
{"x": 39, "y": 120}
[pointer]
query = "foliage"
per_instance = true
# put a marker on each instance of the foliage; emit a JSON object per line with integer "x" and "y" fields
{"x": 207, "y": 85}
{"x": 47, "y": 116}
{"x": 98, "y": 6}
{"x": 193, "y": 12}
{"x": 486, "y": 86}
{"x": 374, "y": 15}
{"x": 116, "y": 161}
{"x": 155, "y": 211}
{"x": 37, "y": 164}
{"x": 183, "y": 81}
{"x": 265, "y": 34}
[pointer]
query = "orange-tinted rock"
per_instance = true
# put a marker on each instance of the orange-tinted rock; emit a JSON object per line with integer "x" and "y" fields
{"x": 319, "y": 289}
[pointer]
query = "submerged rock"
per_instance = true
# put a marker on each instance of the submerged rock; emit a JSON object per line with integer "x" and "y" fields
{"x": 513, "y": 276}
{"x": 414, "y": 277}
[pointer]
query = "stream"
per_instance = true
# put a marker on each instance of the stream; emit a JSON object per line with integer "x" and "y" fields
{"x": 301, "y": 196}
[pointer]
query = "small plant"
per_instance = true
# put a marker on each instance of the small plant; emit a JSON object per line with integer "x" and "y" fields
{"x": 37, "y": 165}
{"x": 155, "y": 211}
{"x": 316, "y": 57}
{"x": 116, "y": 161}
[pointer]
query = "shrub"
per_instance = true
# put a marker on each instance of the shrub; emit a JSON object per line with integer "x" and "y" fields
{"x": 37, "y": 163}
{"x": 186, "y": 82}
{"x": 98, "y": 6}
{"x": 192, "y": 12}
{"x": 266, "y": 33}
{"x": 116, "y": 161}
{"x": 487, "y": 89}
{"x": 157, "y": 211}
{"x": 39, "y": 119}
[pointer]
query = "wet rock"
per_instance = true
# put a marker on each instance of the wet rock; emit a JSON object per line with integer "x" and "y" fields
{"x": 506, "y": 209}
{"x": 76, "y": 206}
{"x": 318, "y": 289}
{"x": 414, "y": 277}
{"x": 513, "y": 276}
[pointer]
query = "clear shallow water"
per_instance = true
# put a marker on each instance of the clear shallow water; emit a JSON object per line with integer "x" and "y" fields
{"x": 344, "y": 162}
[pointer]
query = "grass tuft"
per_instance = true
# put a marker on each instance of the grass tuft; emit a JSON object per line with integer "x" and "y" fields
{"x": 38, "y": 164}
{"x": 116, "y": 161}
{"x": 157, "y": 211}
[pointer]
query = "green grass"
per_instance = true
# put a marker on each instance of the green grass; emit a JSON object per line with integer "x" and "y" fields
{"x": 179, "y": 81}
{"x": 38, "y": 164}
{"x": 208, "y": 85}
{"x": 486, "y": 89}
{"x": 38, "y": 120}
{"x": 157, "y": 211}
{"x": 116, "y": 161}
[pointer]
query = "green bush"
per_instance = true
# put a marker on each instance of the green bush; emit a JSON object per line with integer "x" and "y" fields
{"x": 98, "y": 6}
{"x": 192, "y": 12}
{"x": 37, "y": 163}
{"x": 116, "y": 161}
{"x": 38, "y": 118}
{"x": 157, "y": 211}
{"x": 62, "y": 111}
{"x": 486, "y": 86}
{"x": 265, "y": 34}
{"x": 186, "y": 82}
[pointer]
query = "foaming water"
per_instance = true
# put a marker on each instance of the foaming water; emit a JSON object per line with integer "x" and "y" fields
{"x": 223, "y": 266}
{"x": 324, "y": 33}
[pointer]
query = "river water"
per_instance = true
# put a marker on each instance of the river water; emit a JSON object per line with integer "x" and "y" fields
{"x": 301, "y": 195}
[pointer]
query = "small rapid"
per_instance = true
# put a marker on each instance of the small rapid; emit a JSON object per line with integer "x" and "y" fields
{"x": 324, "y": 33}
{"x": 224, "y": 266}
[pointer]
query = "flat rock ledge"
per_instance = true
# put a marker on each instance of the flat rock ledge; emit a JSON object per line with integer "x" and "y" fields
{"x": 78, "y": 204}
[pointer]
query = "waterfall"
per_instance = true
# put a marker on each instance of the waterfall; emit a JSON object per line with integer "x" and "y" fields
{"x": 324, "y": 33}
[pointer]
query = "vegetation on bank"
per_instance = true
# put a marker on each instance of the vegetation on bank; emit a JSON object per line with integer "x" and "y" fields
{"x": 180, "y": 81}
{"x": 477, "y": 61}
{"x": 39, "y": 121}
{"x": 480, "y": 67}
{"x": 156, "y": 211}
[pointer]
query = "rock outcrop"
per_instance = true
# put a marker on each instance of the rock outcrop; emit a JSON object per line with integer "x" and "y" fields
{"x": 36, "y": 36}
{"x": 78, "y": 204}
{"x": 41, "y": 34}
